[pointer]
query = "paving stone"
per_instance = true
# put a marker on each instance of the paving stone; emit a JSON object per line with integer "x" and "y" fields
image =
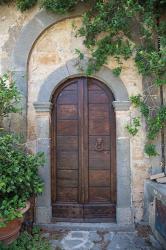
{"x": 89, "y": 244}
{"x": 127, "y": 241}
{"x": 96, "y": 247}
{"x": 77, "y": 235}
{"x": 109, "y": 236}
{"x": 55, "y": 244}
{"x": 72, "y": 243}
{"x": 95, "y": 237}
{"x": 99, "y": 240}
{"x": 155, "y": 243}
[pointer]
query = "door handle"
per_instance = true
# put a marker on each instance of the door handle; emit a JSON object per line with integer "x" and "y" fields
{"x": 99, "y": 146}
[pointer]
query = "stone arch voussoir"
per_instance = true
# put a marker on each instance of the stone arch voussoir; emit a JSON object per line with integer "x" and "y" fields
{"x": 70, "y": 69}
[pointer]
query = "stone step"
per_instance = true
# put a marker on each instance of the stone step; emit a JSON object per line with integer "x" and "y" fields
{"x": 161, "y": 180}
{"x": 113, "y": 227}
{"x": 155, "y": 176}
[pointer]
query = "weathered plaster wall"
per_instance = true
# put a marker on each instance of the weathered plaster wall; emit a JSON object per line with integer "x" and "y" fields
{"x": 11, "y": 23}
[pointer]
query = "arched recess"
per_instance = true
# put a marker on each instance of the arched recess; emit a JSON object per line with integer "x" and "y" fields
{"x": 24, "y": 45}
{"x": 121, "y": 105}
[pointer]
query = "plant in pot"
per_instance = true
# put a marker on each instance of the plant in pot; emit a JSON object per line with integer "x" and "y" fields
{"x": 19, "y": 178}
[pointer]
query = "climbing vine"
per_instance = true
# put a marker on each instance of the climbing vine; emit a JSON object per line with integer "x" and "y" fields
{"x": 122, "y": 29}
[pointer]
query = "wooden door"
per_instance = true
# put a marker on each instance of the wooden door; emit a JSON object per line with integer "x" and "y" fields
{"x": 83, "y": 152}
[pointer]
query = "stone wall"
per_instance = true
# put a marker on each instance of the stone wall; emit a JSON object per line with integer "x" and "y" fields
{"x": 11, "y": 23}
{"x": 53, "y": 48}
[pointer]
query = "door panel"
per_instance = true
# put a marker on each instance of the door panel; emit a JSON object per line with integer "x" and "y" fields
{"x": 67, "y": 212}
{"x": 67, "y": 183}
{"x": 67, "y": 143}
{"x": 67, "y": 97}
{"x": 67, "y": 178}
{"x": 99, "y": 178}
{"x": 97, "y": 97}
{"x": 99, "y": 194}
{"x": 83, "y": 152}
{"x": 66, "y": 160}
{"x": 67, "y": 112}
{"x": 99, "y": 119}
{"x": 99, "y": 212}
{"x": 67, "y": 127}
{"x": 67, "y": 194}
{"x": 99, "y": 161}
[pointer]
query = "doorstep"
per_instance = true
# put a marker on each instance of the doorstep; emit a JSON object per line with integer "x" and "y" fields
{"x": 113, "y": 227}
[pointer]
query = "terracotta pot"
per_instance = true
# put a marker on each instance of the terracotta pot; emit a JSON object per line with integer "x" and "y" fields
{"x": 11, "y": 231}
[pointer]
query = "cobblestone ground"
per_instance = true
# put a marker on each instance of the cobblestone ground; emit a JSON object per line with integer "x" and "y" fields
{"x": 100, "y": 240}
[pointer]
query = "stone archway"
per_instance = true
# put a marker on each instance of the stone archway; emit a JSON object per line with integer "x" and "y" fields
{"x": 121, "y": 105}
{"x": 24, "y": 45}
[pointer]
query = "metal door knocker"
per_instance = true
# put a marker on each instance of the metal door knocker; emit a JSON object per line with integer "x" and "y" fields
{"x": 99, "y": 146}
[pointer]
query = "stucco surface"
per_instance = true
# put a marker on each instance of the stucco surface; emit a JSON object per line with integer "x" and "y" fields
{"x": 11, "y": 23}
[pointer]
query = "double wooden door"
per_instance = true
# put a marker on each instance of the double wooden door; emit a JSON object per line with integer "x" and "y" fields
{"x": 83, "y": 152}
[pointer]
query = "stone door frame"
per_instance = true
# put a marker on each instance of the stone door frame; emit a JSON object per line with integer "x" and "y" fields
{"x": 121, "y": 105}
{"x": 28, "y": 36}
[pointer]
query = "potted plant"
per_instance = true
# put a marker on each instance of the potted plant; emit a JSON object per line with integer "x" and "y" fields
{"x": 19, "y": 180}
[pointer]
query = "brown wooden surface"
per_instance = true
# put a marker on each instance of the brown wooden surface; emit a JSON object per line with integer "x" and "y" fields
{"x": 83, "y": 152}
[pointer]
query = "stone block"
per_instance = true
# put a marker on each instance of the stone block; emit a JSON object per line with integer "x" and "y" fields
{"x": 123, "y": 157}
{"x": 124, "y": 215}
{"x": 43, "y": 145}
{"x": 124, "y": 192}
{"x": 43, "y": 214}
{"x": 43, "y": 126}
{"x": 121, "y": 105}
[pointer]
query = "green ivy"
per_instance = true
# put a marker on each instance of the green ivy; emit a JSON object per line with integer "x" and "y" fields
{"x": 59, "y": 5}
{"x": 25, "y": 4}
{"x": 116, "y": 71}
{"x": 150, "y": 150}
{"x": 156, "y": 123}
{"x": 133, "y": 128}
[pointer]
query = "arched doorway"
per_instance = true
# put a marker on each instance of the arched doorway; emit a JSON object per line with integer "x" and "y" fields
{"x": 83, "y": 135}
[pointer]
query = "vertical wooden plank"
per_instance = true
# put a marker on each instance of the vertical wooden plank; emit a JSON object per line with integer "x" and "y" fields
{"x": 81, "y": 141}
{"x": 113, "y": 151}
{"x": 53, "y": 154}
{"x": 85, "y": 142}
